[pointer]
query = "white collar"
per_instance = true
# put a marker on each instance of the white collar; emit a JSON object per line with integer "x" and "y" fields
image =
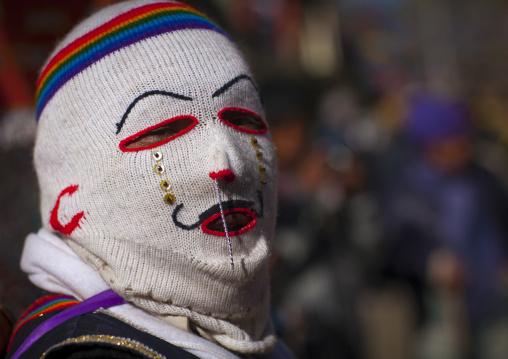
{"x": 53, "y": 266}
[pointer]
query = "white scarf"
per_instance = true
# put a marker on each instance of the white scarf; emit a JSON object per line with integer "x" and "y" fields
{"x": 54, "y": 267}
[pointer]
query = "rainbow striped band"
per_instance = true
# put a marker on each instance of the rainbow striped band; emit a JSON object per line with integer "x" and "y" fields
{"x": 127, "y": 28}
{"x": 43, "y": 306}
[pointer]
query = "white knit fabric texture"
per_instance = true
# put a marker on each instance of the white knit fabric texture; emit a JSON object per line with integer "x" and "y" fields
{"x": 128, "y": 233}
{"x": 61, "y": 271}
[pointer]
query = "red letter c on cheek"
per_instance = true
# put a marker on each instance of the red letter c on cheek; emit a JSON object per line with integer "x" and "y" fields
{"x": 74, "y": 222}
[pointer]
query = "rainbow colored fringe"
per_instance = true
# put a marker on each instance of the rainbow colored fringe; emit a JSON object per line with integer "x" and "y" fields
{"x": 127, "y": 28}
{"x": 42, "y": 306}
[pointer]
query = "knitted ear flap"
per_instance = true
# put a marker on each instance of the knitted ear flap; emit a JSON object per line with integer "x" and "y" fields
{"x": 156, "y": 165}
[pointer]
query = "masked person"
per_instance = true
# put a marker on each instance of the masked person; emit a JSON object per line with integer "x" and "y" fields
{"x": 158, "y": 194}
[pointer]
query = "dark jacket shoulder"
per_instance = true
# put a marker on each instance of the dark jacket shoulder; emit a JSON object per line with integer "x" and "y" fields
{"x": 93, "y": 335}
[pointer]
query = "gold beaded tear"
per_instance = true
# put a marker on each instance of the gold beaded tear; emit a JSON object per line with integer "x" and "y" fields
{"x": 170, "y": 199}
{"x": 157, "y": 155}
{"x": 159, "y": 168}
{"x": 259, "y": 155}
{"x": 166, "y": 185}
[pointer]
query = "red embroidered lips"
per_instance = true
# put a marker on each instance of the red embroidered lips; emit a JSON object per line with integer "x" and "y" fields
{"x": 231, "y": 222}
{"x": 239, "y": 215}
{"x": 237, "y": 220}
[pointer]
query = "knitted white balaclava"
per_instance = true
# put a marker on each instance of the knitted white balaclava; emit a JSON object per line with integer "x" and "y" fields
{"x": 150, "y": 131}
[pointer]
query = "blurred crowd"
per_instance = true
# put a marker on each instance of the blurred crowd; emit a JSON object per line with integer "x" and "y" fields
{"x": 391, "y": 127}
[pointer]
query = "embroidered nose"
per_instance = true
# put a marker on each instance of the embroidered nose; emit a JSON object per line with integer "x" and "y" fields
{"x": 225, "y": 176}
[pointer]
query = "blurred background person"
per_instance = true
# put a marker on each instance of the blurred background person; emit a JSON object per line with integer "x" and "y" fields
{"x": 324, "y": 236}
{"x": 446, "y": 227}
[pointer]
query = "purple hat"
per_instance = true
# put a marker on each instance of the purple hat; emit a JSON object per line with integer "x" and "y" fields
{"x": 432, "y": 119}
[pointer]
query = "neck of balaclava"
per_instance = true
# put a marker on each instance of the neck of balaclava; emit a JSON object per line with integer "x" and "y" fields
{"x": 232, "y": 313}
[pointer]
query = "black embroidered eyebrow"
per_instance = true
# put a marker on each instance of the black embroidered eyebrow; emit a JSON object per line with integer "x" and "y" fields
{"x": 120, "y": 124}
{"x": 230, "y": 83}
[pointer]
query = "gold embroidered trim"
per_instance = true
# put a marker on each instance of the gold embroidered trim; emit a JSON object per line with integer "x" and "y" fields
{"x": 108, "y": 339}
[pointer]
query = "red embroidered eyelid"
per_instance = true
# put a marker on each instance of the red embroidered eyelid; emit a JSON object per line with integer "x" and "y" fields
{"x": 254, "y": 132}
{"x": 130, "y": 139}
{"x": 247, "y": 228}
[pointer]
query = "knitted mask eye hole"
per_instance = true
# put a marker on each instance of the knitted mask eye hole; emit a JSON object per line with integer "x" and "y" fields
{"x": 243, "y": 120}
{"x": 159, "y": 134}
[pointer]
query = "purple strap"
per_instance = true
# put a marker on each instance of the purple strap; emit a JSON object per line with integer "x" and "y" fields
{"x": 104, "y": 299}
